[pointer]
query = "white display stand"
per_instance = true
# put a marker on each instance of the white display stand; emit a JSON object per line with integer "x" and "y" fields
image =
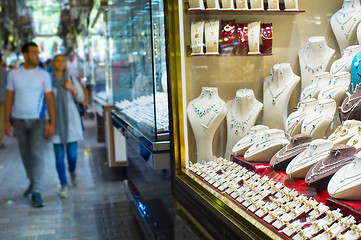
{"x": 205, "y": 114}
{"x": 242, "y": 114}
{"x": 316, "y": 151}
{"x": 197, "y": 32}
{"x": 355, "y": 141}
{"x": 196, "y": 4}
{"x": 344, "y": 23}
{"x": 320, "y": 81}
{"x": 291, "y": 5}
{"x": 270, "y": 143}
{"x": 254, "y": 31}
{"x": 228, "y": 4}
{"x": 314, "y": 58}
{"x": 211, "y": 36}
{"x": 277, "y": 90}
{"x": 273, "y": 5}
{"x": 242, "y": 4}
{"x": 295, "y": 119}
{"x": 345, "y": 132}
{"x": 257, "y": 5}
{"x": 318, "y": 122}
{"x": 344, "y": 63}
{"x": 254, "y": 135}
{"x": 212, "y": 4}
{"x": 336, "y": 88}
{"x": 346, "y": 183}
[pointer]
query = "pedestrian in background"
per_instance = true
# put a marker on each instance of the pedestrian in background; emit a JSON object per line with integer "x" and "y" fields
{"x": 28, "y": 94}
{"x": 69, "y": 129}
{"x": 3, "y": 77}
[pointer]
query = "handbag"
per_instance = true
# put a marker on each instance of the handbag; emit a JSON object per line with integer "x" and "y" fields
{"x": 80, "y": 106}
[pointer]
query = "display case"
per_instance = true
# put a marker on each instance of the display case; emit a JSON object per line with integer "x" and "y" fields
{"x": 139, "y": 76}
{"x": 212, "y": 65}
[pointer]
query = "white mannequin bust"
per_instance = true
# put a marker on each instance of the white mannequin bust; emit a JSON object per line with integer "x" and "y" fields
{"x": 295, "y": 119}
{"x": 211, "y": 36}
{"x": 277, "y": 90}
{"x": 270, "y": 143}
{"x": 314, "y": 58}
{"x": 257, "y": 5}
{"x": 273, "y": 5}
{"x": 205, "y": 114}
{"x": 291, "y": 5}
{"x": 345, "y": 132}
{"x": 346, "y": 182}
{"x": 227, "y": 4}
{"x": 242, "y": 4}
{"x": 196, "y": 4}
{"x": 344, "y": 23}
{"x": 316, "y": 151}
{"x": 254, "y": 135}
{"x": 242, "y": 114}
{"x": 336, "y": 88}
{"x": 318, "y": 122}
{"x": 355, "y": 141}
{"x": 197, "y": 30}
{"x": 320, "y": 81}
{"x": 344, "y": 63}
{"x": 212, "y": 4}
{"x": 254, "y": 30}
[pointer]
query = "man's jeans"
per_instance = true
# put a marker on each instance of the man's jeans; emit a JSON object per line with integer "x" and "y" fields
{"x": 72, "y": 153}
{"x": 30, "y": 136}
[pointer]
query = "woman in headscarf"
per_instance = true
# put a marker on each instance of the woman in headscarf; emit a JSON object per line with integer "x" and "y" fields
{"x": 68, "y": 122}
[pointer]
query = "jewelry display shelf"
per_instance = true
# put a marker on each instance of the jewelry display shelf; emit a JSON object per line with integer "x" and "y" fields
{"x": 230, "y": 55}
{"x": 347, "y": 207}
{"x": 281, "y": 11}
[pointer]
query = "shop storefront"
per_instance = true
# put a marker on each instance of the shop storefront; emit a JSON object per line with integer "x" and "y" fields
{"x": 265, "y": 125}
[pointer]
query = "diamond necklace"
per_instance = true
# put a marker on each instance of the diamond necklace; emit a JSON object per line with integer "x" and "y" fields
{"x": 332, "y": 166}
{"x": 275, "y": 95}
{"x": 240, "y": 124}
{"x": 353, "y": 16}
{"x": 313, "y": 69}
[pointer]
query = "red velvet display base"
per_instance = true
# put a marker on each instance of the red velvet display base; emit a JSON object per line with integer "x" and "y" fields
{"x": 264, "y": 169}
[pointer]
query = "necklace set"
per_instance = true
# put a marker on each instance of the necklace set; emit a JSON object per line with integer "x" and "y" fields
{"x": 319, "y": 67}
{"x": 291, "y": 151}
{"x": 353, "y": 18}
{"x": 212, "y": 31}
{"x": 329, "y": 167}
{"x": 275, "y": 95}
{"x": 240, "y": 124}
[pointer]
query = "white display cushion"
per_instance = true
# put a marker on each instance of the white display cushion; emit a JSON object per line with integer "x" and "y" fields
{"x": 271, "y": 142}
{"x": 345, "y": 132}
{"x": 254, "y": 135}
{"x": 346, "y": 182}
{"x": 316, "y": 151}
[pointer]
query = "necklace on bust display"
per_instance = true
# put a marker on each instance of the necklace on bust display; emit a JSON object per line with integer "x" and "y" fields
{"x": 291, "y": 151}
{"x": 240, "y": 124}
{"x": 319, "y": 67}
{"x": 275, "y": 95}
{"x": 354, "y": 21}
{"x": 344, "y": 64}
{"x": 216, "y": 111}
{"x": 315, "y": 121}
{"x": 212, "y": 31}
{"x": 332, "y": 166}
{"x": 204, "y": 112}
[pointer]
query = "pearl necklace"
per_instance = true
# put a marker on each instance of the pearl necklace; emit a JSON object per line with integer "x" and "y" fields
{"x": 204, "y": 112}
{"x": 240, "y": 124}
{"x": 319, "y": 67}
{"x": 332, "y": 166}
{"x": 275, "y": 95}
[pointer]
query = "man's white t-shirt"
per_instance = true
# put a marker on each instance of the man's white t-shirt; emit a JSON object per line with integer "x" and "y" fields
{"x": 29, "y": 87}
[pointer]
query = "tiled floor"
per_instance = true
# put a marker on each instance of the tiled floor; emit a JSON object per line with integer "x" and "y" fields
{"x": 96, "y": 209}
